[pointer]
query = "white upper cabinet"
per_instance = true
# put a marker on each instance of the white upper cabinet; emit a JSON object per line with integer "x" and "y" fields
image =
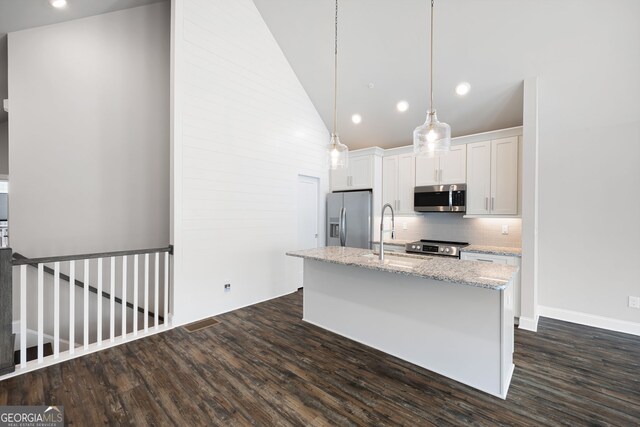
{"x": 398, "y": 178}
{"x": 427, "y": 170}
{"x": 390, "y": 181}
{"x": 406, "y": 182}
{"x": 361, "y": 172}
{"x": 358, "y": 175}
{"x": 492, "y": 177}
{"x": 478, "y": 178}
{"x": 504, "y": 176}
{"x": 450, "y": 168}
{"x": 453, "y": 166}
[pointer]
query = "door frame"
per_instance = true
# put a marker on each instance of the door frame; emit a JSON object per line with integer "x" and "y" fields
{"x": 319, "y": 220}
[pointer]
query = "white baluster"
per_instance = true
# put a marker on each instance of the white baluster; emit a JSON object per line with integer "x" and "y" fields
{"x": 85, "y": 323}
{"x": 56, "y": 310}
{"x": 156, "y": 291}
{"x": 124, "y": 297}
{"x": 166, "y": 288}
{"x": 72, "y": 307}
{"x": 112, "y": 308}
{"x": 99, "y": 304}
{"x": 40, "y": 312}
{"x": 146, "y": 293}
{"x": 23, "y": 316}
{"x": 135, "y": 295}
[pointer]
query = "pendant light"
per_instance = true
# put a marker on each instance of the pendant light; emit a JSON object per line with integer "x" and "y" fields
{"x": 433, "y": 137}
{"x": 337, "y": 152}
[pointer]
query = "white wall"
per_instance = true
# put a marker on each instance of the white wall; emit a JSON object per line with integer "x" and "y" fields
{"x": 89, "y": 133}
{"x": 4, "y": 148}
{"x": 589, "y": 174}
{"x": 244, "y": 129}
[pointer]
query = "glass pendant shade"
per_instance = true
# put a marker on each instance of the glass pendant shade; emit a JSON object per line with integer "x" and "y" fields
{"x": 338, "y": 154}
{"x": 433, "y": 137}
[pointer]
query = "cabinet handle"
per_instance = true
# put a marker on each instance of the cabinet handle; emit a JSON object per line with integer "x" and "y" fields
{"x": 435, "y": 175}
{"x": 493, "y": 201}
{"x": 398, "y": 205}
{"x": 484, "y": 260}
{"x": 486, "y": 203}
{"x": 440, "y": 180}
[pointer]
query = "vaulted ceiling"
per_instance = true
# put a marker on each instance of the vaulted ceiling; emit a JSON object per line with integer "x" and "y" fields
{"x": 385, "y": 43}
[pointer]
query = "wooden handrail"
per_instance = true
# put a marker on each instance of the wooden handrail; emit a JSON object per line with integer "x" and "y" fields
{"x": 33, "y": 262}
{"x": 47, "y": 260}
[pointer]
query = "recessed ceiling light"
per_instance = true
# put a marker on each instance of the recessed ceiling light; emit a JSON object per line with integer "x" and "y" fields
{"x": 58, "y": 3}
{"x": 402, "y": 106}
{"x": 463, "y": 88}
{"x": 356, "y": 118}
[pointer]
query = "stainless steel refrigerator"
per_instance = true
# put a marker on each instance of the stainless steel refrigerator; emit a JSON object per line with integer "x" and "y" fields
{"x": 349, "y": 219}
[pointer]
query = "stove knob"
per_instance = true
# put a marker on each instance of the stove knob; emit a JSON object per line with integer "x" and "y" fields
{"x": 441, "y": 249}
{"x": 447, "y": 250}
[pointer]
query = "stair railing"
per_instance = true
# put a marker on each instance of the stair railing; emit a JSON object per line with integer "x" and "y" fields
{"x": 139, "y": 275}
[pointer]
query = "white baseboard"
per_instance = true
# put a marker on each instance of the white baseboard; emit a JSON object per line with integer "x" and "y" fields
{"x": 528, "y": 323}
{"x": 608, "y": 323}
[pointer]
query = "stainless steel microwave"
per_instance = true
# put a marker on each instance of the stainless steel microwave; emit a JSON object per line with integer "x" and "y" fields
{"x": 440, "y": 198}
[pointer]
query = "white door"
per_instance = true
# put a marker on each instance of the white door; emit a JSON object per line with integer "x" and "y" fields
{"x": 453, "y": 165}
{"x": 427, "y": 170}
{"x": 308, "y": 212}
{"x": 504, "y": 176}
{"x": 308, "y": 216}
{"x": 406, "y": 182}
{"x": 390, "y": 181}
{"x": 478, "y": 178}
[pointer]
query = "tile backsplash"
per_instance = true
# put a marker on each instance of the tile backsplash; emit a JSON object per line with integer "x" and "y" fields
{"x": 447, "y": 226}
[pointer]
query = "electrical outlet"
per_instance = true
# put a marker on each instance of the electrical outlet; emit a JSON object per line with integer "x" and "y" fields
{"x": 227, "y": 287}
{"x": 505, "y": 229}
{"x": 404, "y": 225}
{"x": 634, "y": 302}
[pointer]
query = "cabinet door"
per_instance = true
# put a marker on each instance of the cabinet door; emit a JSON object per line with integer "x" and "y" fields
{"x": 361, "y": 172}
{"x": 406, "y": 182}
{"x": 453, "y": 166}
{"x": 339, "y": 179}
{"x": 390, "y": 181}
{"x": 478, "y": 178}
{"x": 504, "y": 176}
{"x": 427, "y": 170}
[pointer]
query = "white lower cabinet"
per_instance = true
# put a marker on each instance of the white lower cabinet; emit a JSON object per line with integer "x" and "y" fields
{"x": 500, "y": 259}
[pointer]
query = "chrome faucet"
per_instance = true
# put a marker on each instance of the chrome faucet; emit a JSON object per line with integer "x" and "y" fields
{"x": 393, "y": 228}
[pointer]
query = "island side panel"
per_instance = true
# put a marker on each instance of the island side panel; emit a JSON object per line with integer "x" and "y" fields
{"x": 454, "y": 330}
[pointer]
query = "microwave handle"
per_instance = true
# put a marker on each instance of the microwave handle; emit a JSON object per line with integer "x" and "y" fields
{"x": 451, "y": 198}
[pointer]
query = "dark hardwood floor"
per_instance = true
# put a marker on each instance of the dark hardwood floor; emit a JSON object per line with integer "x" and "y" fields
{"x": 262, "y": 365}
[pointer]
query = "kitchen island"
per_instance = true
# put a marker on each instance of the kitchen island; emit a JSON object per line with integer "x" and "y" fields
{"x": 450, "y": 316}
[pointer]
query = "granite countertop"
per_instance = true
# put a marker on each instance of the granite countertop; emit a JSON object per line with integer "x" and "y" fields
{"x": 394, "y": 242}
{"x": 455, "y": 271}
{"x": 493, "y": 250}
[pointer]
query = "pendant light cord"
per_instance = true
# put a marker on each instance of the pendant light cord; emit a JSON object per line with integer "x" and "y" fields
{"x": 335, "y": 75}
{"x": 431, "y": 62}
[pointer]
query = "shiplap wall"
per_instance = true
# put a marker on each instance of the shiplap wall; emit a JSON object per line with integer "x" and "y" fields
{"x": 244, "y": 129}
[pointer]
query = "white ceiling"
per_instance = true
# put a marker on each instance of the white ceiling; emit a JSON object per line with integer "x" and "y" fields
{"x": 18, "y": 15}
{"x": 385, "y": 42}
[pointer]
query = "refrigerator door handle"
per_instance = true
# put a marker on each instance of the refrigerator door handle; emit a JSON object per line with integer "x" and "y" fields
{"x": 343, "y": 227}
